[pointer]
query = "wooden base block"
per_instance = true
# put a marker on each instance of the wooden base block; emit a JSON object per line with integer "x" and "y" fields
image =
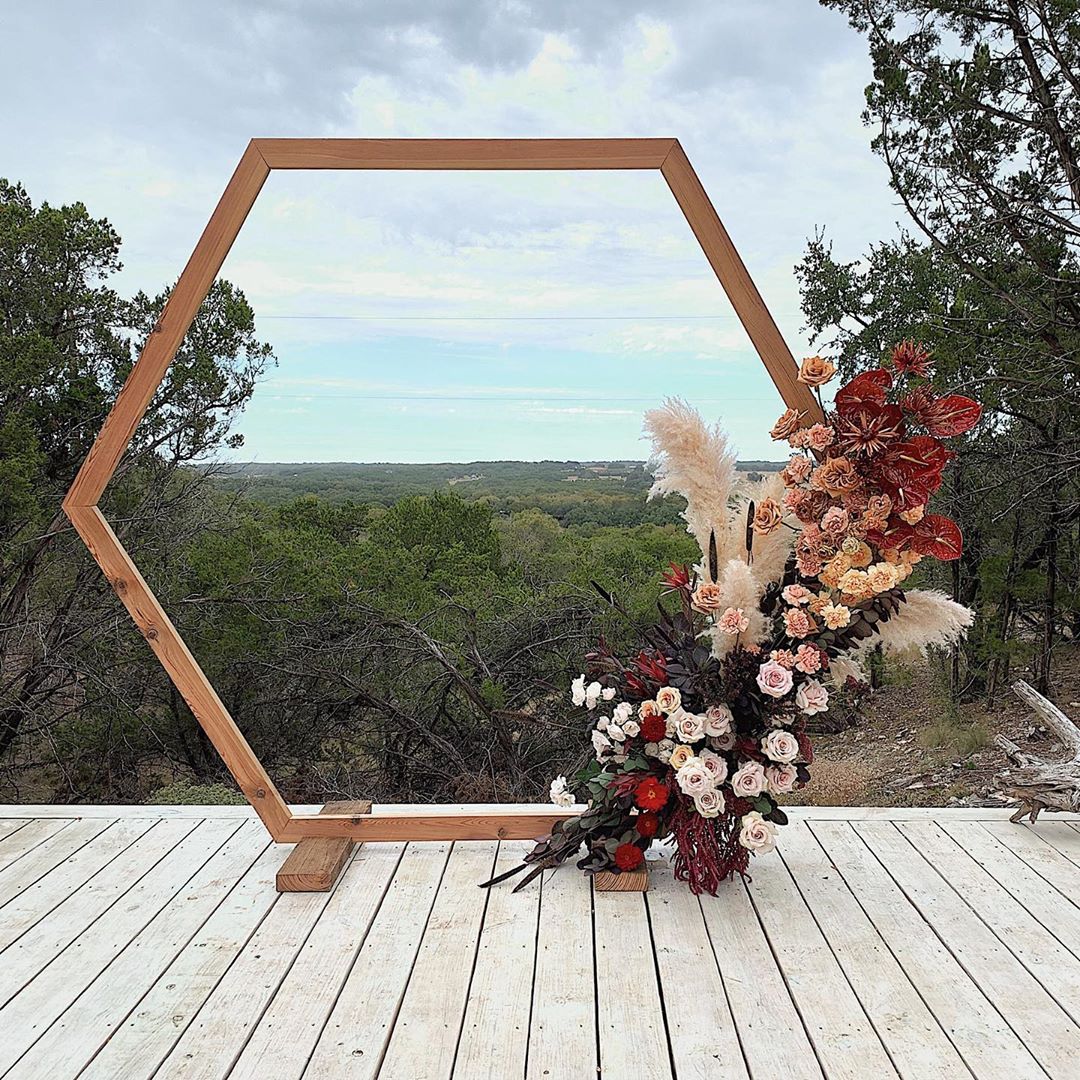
{"x": 624, "y": 881}
{"x": 315, "y": 864}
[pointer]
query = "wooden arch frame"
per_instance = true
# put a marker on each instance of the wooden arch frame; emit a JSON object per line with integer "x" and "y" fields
{"x": 261, "y": 156}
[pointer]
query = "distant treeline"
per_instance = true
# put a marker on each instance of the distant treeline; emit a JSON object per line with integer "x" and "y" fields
{"x": 573, "y": 492}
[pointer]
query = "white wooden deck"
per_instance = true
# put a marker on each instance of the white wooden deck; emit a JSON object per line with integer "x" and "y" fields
{"x": 139, "y": 942}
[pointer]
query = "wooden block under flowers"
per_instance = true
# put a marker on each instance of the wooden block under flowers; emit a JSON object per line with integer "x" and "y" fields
{"x": 623, "y": 881}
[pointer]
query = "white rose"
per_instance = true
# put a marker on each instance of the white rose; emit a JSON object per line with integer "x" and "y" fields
{"x": 602, "y": 723}
{"x": 757, "y": 834}
{"x": 749, "y": 780}
{"x": 668, "y": 699}
{"x": 615, "y": 732}
{"x": 688, "y": 726}
{"x": 592, "y": 694}
{"x": 718, "y": 720}
{"x": 709, "y": 803}
{"x": 781, "y": 779}
{"x": 601, "y": 744}
{"x": 559, "y": 795}
{"x": 652, "y": 749}
{"x": 623, "y": 711}
{"x": 631, "y": 728}
{"x": 664, "y": 749}
{"x": 607, "y": 693}
{"x": 715, "y": 764}
{"x": 693, "y": 778}
{"x": 812, "y": 697}
{"x": 577, "y": 690}
{"x": 780, "y": 746}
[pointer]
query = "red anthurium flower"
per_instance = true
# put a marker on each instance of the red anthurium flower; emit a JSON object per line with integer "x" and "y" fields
{"x": 938, "y": 536}
{"x": 647, "y": 825}
{"x": 912, "y": 359}
{"x": 629, "y": 856}
{"x": 868, "y": 429}
{"x": 952, "y": 415}
{"x": 653, "y": 728}
{"x": 867, "y": 388}
{"x": 650, "y": 794}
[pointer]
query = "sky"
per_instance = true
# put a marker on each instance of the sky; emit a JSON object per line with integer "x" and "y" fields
{"x": 462, "y": 316}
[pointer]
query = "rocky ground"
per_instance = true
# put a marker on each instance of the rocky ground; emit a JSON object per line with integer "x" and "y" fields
{"x": 912, "y": 748}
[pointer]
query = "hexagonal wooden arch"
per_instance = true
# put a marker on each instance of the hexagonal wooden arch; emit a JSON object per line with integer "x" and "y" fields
{"x": 261, "y": 156}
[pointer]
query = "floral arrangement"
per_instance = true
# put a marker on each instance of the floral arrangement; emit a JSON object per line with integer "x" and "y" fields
{"x": 697, "y": 737}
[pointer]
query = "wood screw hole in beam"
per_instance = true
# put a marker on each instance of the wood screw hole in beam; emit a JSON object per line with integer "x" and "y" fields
{"x": 260, "y": 157}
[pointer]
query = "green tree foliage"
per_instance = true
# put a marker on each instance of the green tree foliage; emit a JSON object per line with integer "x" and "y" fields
{"x": 975, "y": 111}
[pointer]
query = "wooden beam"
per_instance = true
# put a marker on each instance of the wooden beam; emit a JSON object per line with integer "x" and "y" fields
{"x": 181, "y": 666}
{"x": 176, "y": 318}
{"x": 479, "y": 823}
{"x": 483, "y": 154}
{"x": 316, "y": 863}
{"x": 737, "y": 283}
{"x": 624, "y": 881}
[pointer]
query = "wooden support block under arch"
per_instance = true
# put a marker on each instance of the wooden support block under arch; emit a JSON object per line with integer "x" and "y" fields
{"x": 624, "y": 881}
{"x": 315, "y": 864}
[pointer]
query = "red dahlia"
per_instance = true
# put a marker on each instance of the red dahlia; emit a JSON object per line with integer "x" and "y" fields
{"x": 647, "y": 825}
{"x": 629, "y": 856}
{"x": 653, "y": 728}
{"x": 650, "y": 794}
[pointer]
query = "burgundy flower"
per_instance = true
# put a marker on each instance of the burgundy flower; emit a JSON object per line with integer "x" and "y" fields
{"x": 629, "y": 856}
{"x": 867, "y": 430}
{"x": 912, "y": 359}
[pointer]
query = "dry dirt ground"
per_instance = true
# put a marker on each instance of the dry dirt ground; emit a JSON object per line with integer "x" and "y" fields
{"x": 912, "y": 748}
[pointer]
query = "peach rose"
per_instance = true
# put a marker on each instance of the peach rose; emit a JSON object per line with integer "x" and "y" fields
{"x": 716, "y": 765}
{"x": 816, "y": 371}
{"x": 812, "y": 697}
{"x": 767, "y": 517}
{"x": 707, "y": 598}
{"x": 836, "y": 521}
{"x": 780, "y": 746}
{"x": 718, "y": 720}
{"x": 710, "y": 803}
{"x": 787, "y": 425}
{"x": 680, "y": 756}
{"x": 796, "y": 594}
{"x": 647, "y": 709}
{"x": 835, "y": 475}
{"x": 668, "y": 699}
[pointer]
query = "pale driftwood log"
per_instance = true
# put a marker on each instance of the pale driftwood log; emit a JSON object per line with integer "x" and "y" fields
{"x": 1037, "y": 784}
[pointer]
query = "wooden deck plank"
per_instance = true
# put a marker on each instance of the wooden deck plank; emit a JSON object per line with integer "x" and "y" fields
{"x": 1060, "y": 836}
{"x": 1047, "y": 1031}
{"x": 1040, "y": 855}
{"x": 354, "y": 1039}
{"x": 9, "y": 826}
{"x": 46, "y": 939}
{"x": 633, "y": 1039}
{"x": 42, "y": 857}
{"x": 219, "y": 1031}
{"x": 162, "y": 1015}
{"x": 75, "y": 1038}
{"x": 295, "y": 1019}
{"x": 913, "y": 1037}
{"x": 495, "y": 1031}
{"x": 424, "y": 1041}
{"x": 52, "y": 991}
{"x": 1059, "y": 915}
{"x": 562, "y": 1036}
{"x": 1048, "y": 961}
{"x": 35, "y": 901}
{"x": 847, "y": 1045}
{"x": 19, "y": 841}
{"x": 991, "y": 1049}
{"x": 700, "y": 1027}
{"x": 771, "y": 1032}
